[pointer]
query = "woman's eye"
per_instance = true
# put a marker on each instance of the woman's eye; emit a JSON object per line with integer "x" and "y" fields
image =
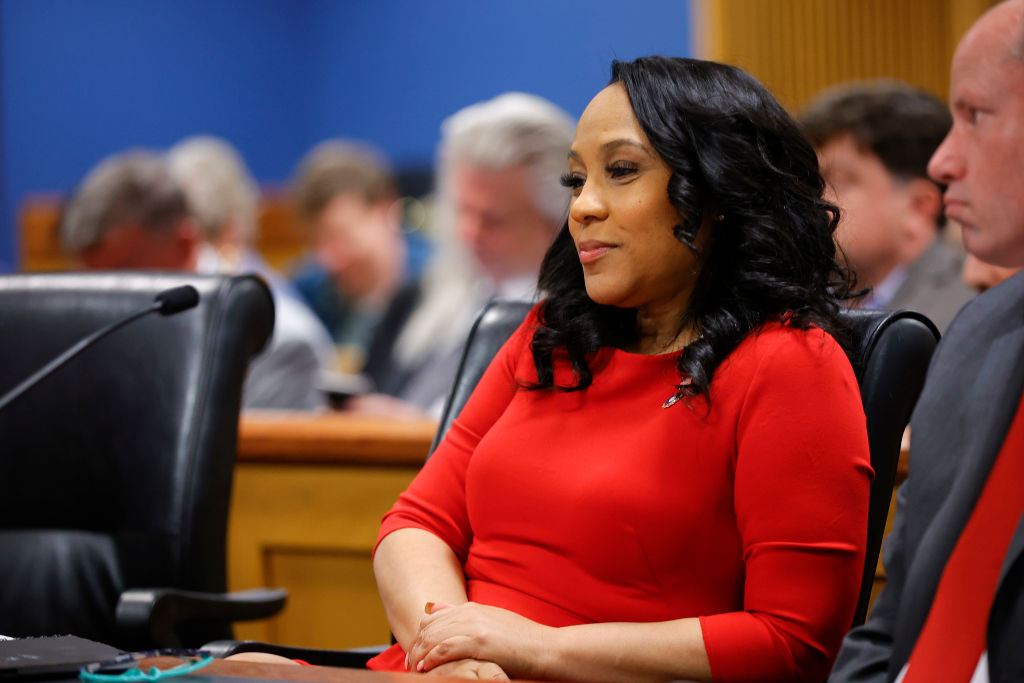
{"x": 620, "y": 169}
{"x": 573, "y": 181}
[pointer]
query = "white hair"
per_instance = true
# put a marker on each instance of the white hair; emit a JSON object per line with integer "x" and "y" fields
{"x": 512, "y": 130}
{"x": 217, "y": 183}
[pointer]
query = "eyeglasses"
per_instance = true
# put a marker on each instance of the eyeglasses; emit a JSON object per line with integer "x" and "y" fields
{"x": 197, "y": 660}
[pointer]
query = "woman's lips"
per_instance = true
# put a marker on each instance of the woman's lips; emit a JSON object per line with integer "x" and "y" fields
{"x": 592, "y": 250}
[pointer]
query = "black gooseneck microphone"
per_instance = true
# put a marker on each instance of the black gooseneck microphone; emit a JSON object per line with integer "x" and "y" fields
{"x": 167, "y": 302}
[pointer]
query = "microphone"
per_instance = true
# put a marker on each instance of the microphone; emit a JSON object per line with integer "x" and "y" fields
{"x": 177, "y": 299}
{"x": 167, "y": 302}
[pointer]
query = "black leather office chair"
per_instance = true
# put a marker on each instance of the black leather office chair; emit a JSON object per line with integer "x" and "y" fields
{"x": 492, "y": 328}
{"x": 116, "y": 470}
{"x": 890, "y": 355}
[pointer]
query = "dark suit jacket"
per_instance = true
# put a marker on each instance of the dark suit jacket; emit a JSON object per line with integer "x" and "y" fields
{"x": 934, "y": 285}
{"x": 972, "y": 392}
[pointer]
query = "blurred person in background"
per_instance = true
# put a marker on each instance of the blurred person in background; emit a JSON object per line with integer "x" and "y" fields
{"x": 498, "y": 209}
{"x": 874, "y": 140}
{"x": 346, "y": 195}
{"x": 224, "y": 200}
{"x": 131, "y": 212}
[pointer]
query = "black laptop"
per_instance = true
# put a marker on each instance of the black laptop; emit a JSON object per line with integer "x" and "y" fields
{"x": 53, "y": 657}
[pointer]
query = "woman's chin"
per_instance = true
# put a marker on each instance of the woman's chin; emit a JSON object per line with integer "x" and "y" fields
{"x": 604, "y": 297}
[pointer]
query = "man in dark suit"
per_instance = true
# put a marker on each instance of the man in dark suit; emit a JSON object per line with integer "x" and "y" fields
{"x": 953, "y": 605}
{"x": 874, "y": 140}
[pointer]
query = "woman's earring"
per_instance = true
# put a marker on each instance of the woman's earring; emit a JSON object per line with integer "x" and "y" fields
{"x": 719, "y": 218}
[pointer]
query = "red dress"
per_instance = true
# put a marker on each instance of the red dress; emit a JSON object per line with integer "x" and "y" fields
{"x": 601, "y": 506}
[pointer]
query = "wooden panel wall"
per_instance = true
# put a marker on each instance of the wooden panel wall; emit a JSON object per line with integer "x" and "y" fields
{"x": 798, "y": 47}
{"x": 309, "y": 494}
{"x": 311, "y": 529}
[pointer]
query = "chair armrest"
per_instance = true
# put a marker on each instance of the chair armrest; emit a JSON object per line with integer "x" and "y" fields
{"x": 150, "y": 615}
{"x": 355, "y": 658}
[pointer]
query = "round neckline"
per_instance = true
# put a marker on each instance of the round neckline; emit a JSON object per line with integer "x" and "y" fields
{"x": 656, "y": 356}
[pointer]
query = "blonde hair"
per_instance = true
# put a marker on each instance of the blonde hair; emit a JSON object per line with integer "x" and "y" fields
{"x": 217, "y": 184}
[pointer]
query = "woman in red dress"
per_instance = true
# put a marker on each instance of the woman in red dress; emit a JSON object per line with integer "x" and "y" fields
{"x": 664, "y": 473}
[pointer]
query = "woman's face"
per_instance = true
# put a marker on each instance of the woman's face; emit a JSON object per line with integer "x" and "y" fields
{"x": 620, "y": 217}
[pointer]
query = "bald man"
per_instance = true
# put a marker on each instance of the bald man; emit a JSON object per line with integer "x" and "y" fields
{"x": 953, "y": 605}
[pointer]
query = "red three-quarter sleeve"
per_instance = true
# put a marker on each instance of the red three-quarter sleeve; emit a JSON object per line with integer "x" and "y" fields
{"x": 801, "y": 499}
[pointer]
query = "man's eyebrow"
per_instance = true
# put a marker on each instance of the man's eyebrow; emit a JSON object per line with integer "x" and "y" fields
{"x": 963, "y": 102}
{"x": 614, "y": 144}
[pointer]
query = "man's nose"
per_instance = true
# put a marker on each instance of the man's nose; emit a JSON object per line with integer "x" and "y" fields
{"x": 947, "y": 163}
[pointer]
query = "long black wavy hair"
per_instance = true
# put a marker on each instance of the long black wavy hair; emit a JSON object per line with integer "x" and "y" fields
{"x": 733, "y": 151}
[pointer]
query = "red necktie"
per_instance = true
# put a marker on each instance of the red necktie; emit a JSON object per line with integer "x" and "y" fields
{"x": 953, "y": 636}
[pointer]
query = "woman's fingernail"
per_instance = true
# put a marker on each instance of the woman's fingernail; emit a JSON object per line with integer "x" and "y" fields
{"x": 407, "y": 662}
{"x": 428, "y": 608}
{"x": 419, "y": 666}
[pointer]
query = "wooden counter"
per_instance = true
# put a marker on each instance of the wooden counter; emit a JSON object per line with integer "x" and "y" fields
{"x": 309, "y": 494}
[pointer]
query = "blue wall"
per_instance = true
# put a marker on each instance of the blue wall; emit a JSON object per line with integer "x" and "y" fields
{"x": 80, "y": 80}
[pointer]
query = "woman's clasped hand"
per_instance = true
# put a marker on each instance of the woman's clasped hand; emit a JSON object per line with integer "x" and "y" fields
{"x": 480, "y": 634}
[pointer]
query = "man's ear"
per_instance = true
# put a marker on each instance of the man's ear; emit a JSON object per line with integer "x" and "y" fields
{"x": 921, "y": 206}
{"x": 925, "y": 199}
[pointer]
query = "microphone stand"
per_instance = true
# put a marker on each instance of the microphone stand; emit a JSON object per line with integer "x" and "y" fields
{"x": 167, "y": 302}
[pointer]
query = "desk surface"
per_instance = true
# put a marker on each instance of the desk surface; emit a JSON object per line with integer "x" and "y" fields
{"x": 230, "y": 669}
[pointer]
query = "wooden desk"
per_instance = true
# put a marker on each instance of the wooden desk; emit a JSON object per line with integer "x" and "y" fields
{"x": 284, "y": 672}
{"x": 309, "y": 494}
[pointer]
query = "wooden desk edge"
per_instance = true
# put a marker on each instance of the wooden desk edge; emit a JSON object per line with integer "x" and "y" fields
{"x": 231, "y": 668}
{"x": 333, "y": 438}
{"x": 283, "y": 672}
